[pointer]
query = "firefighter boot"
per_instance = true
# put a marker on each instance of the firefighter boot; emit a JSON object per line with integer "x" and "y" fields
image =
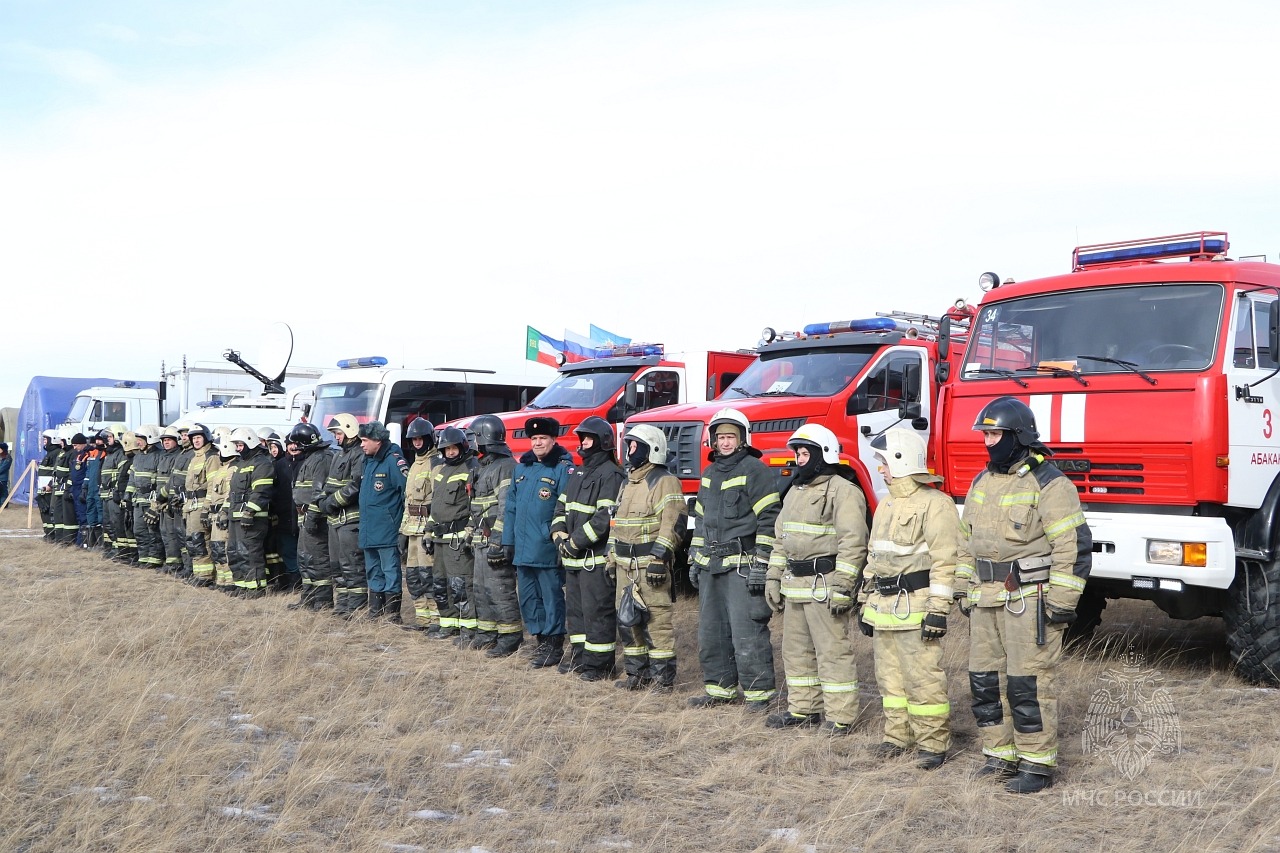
{"x": 553, "y": 652}
{"x": 391, "y": 608}
{"x": 463, "y": 640}
{"x": 538, "y": 649}
{"x": 484, "y": 640}
{"x": 664, "y": 674}
{"x": 571, "y": 662}
{"x": 342, "y": 604}
{"x": 926, "y": 760}
{"x": 787, "y": 720}
{"x": 304, "y": 600}
{"x": 377, "y": 600}
{"x": 507, "y": 646}
{"x": 998, "y": 768}
{"x": 322, "y": 598}
{"x": 1030, "y": 779}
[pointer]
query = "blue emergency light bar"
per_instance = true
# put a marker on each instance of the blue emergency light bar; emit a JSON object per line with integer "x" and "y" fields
{"x": 631, "y": 350}
{"x": 871, "y": 324}
{"x": 1196, "y": 244}
{"x": 211, "y": 404}
{"x": 364, "y": 361}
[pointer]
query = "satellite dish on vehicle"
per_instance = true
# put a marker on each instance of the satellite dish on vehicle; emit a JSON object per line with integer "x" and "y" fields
{"x": 273, "y": 359}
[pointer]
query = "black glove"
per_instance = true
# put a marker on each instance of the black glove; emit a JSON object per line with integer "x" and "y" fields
{"x": 458, "y": 590}
{"x": 326, "y": 505}
{"x": 84, "y": 493}
{"x": 567, "y": 549}
{"x": 246, "y": 520}
{"x": 655, "y": 573}
{"x": 867, "y": 629}
{"x": 1060, "y": 617}
{"x": 224, "y": 520}
{"x": 313, "y": 521}
{"x": 176, "y": 503}
{"x": 428, "y": 546}
{"x": 496, "y": 556}
{"x": 150, "y": 517}
{"x": 962, "y": 602}
{"x": 933, "y": 627}
{"x": 693, "y": 574}
{"x": 509, "y": 551}
{"x": 757, "y": 573}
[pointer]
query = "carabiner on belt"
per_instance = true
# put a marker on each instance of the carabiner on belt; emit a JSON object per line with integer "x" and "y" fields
{"x": 826, "y": 590}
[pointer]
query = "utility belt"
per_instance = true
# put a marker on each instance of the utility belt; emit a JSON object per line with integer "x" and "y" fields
{"x": 418, "y": 510}
{"x": 442, "y": 529}
{"x": 629, "y": 550}
{"x": 197, "y": 494}
{"x": 897, "y": 584}
{"x": 741, "y": 545}
{"x": 1027, "y": 570}
{"x": 814, "y": 566}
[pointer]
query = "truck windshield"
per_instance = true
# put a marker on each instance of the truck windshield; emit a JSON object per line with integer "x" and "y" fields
{"x": 800, "y": 373}
{"x": 1147, "y": 328}
{"x": 358, "y": 399}
{"x": 586, "y": 390}
{"x": 78, "y": 409}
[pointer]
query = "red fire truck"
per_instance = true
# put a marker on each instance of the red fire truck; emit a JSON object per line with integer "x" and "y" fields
{"x": 855, "y": 377}
{"x": 628, "y": 380}
{"x": 1152, "y": 371}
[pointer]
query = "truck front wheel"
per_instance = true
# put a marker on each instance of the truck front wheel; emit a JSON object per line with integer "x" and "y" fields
{"x": 1253, "y": 621}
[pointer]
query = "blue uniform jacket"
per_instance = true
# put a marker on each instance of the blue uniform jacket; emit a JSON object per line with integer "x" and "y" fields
{"x": 382, "y": 497}
{"x": 531, "y": 504}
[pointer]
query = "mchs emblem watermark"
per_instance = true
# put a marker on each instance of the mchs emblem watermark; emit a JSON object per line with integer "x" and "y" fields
{"x": 1131, "y": 722}
{"x": 1131, "y": 718}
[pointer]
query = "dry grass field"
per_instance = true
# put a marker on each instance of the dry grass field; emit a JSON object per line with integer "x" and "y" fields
{"x": 141, "y": 714}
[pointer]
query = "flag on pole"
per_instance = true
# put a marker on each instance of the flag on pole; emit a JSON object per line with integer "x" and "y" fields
{"x": 602, "y": 338}
{"x": 577, "y": 348}
{"x": 542, "y": 349}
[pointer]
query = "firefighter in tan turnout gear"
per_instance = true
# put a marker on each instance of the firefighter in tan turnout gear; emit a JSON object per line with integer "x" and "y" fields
{"x": 906, "y": 595}
{"x": 197, "y": 520}
{"x": 647, "y": 524}
{"x": 419, "y": 550}
{"x": 819, "y": 551}
{"x": 1021, "y": 573}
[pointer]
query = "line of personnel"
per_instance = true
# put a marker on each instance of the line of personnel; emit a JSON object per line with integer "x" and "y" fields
{"x": 491, "y": 548}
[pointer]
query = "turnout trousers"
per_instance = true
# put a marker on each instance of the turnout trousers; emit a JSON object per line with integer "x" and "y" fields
{"x": 734, "y": 645}
{"x": 150, "y": 545}
{"x": 591, "y": 616}
{"x": 198, "y": 530}
{"x": 174, "y": 534}
{"x": 913, "y": 690}
{"x": 1020, "y": 721}
{"x": 455, "y": 571}
{"x": 419, "y": 577}
{"x": 313, "y": 564}
{"x": 247, "y": 554}
{"x": 649, "y": 650}
{"x": 817, "y": 655}
{"x": 497, "y": 606}
{"x": 345, "y": 555}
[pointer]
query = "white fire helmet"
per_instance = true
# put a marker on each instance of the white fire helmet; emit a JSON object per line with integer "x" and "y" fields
{"x": 816, "y": 435}
{"x": 902, "y": 451}
{"x": 345, "y": 422}
{"x": 729, "y": 416}
{"x": 150, "y": 433}
{"x": 245, "y": 436}
{"x": 651, "y": 437}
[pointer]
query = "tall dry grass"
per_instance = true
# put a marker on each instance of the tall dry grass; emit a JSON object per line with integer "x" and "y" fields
{"x": 141, "y": 714}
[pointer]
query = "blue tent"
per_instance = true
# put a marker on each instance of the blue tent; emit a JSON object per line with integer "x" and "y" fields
{"x": 45, "y": 405}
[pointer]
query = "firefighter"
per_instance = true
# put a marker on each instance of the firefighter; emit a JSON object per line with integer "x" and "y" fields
{"x": 282, "y": 542}
{"x": 112, "y": 459}
{"x": 340, "y": 503}
{"x": 381, "y": 507}
{"x": 219, "y": 487}
{"x": 648, "y": 521}
{"x": 45, "y": 472}
{"x": 1019, "y": 576}
{"x": 251, "y": 487}
{"x": 311, "y": 470}
{"x": 197, "y": 521}
{"x": 536, "y": 484}
{"x": 821, "y": 548}
{"x": 498, "y": 627}
{"x": 169, "y": 499}
{"x": 419, "y": 549}
{"x": 126, "y": 544}
{"x": 178, "y": 495}
{"x": 580, "y": 530}
{"x": 81, "y": 453}
{"x": 734, "y": 518}
{"x": 141, "y": 495}
{"x": 906, "y": 596}
{"x": 94, "y": 456}
{"x": 65, "y": 525}
{"x": 450, "y": 526}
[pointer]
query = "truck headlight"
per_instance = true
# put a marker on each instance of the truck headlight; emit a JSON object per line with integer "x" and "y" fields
{"x": 1167, "y": 553}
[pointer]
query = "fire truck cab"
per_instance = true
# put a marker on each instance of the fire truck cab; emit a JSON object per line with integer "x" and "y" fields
{"x": 1152, "y": 371}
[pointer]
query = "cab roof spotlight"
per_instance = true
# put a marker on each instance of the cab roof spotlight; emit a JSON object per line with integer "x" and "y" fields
{"x": 988, "y": 281}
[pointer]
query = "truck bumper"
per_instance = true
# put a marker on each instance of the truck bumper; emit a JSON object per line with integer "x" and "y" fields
{"x": 1120, "y": 549}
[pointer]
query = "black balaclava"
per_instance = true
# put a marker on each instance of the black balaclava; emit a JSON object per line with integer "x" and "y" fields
{"x": 639, "y": 456}
{"x": 1005, "y": 451}
{"x": 806, "y": 472}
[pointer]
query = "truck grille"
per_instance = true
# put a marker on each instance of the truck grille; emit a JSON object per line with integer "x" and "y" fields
{"x": 684, "y": 448}
{"x": 1154, "y": 472}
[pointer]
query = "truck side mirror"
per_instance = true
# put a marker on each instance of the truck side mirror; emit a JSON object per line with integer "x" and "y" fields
{"x": 1273, "y": 331}
{"x": 944, "y": 337}
{"x": 859, "y": 403}
{"x": 911, "y": 381}
{"x": 630, "y": 398}
{"x": 908, "y": 411}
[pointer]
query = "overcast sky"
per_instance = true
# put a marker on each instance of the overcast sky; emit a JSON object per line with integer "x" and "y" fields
{"x": 422, "y": 180}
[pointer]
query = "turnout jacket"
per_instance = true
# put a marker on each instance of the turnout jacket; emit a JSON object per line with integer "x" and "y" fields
{"x": 1031, "y": 512}
{"x": 252, "y": 483}
{"x": 382, "y": 497}
{"x": 821, "y": 544}
{"x": 451, "y": 497}
{"x": 417, "y": 496}
{"x": 585, "y": 507}
{"x": 166, "y": 463}
{"x": 203, "y": 463}
{"x": 489, "y": 495}
{"x": 737, "y": 506}
{"x": 531, "y": 505}
{"x": 911, "y": 559}
{"x": 310, "y": 475}
{"x": 142, "y": 475}
{"x": 341, "y": 499}
{"x": 650, "y": 516}
{"x": 110, "y": 471}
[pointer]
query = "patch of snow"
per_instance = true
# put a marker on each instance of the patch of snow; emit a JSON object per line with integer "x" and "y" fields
{"x": 141, "y": 800}
{"x": 481, "y": 758}
{"x": 250, "y": 730}
{"x": 255, "y": 813}
{"x": 494, "y": 811}
{"x": 240, "y": 718}
{"x": 403, "y": 848}
{"x": 614, "y": 843}
{"x": 432, "y": 814}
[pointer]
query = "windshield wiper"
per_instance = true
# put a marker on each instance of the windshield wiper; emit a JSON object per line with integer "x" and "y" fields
{"x": 997, "y": 371}
{"x": 556, "y": 406}
{"x": 743, "y": 391}
{"x": 779, "y": 394}
{"x": 1130, "y": 366}
{"x": 1054, "y": 370}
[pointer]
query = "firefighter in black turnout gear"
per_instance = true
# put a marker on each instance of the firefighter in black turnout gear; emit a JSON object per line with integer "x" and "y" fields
{"x": 315, "y": 457}
{"x": 451, "y": 531}
{"x": 580, "y": 529}
{"x": 498, "y": 626}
